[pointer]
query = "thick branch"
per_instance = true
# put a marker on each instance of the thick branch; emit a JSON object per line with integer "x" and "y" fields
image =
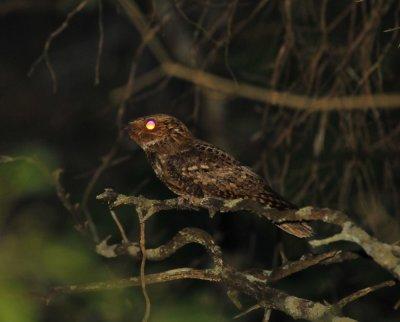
{"x": 253, "y": 284}
{"x": 294, "y": 101}
{"x": 387, "y": 256}
{"x": 222, "y": 273}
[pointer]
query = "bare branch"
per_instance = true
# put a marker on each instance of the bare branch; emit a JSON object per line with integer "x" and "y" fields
{"x": 167, "y": 276}
{"x": 385, "y": 255}
{"x": 120, "y": 227}
{"x": 45, "y": 54}
{"x": 253, "y": 284}
{"x": 142, "y": 243}
{"x": 136, "y": 17}
{"x": 221, "y": 273}
{"x": 285, "y": 99}
{"x": 100, "y": 44}
{"x": 365, "y": 291}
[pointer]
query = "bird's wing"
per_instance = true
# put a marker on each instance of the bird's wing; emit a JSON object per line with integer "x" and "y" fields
{"x": 217, "y": 174}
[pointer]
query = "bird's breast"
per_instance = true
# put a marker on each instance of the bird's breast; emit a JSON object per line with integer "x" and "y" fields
{"x": 156, "y": 162}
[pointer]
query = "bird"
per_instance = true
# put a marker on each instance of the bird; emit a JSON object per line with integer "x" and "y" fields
{"x": 192, "y": 168}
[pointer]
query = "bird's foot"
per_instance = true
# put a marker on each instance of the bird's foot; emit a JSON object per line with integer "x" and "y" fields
{"x": 187, "y": 203}
{"x": 213, "y": 205}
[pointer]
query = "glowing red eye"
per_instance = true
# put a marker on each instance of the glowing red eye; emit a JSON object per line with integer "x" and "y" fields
{"x": 150, "y": 124}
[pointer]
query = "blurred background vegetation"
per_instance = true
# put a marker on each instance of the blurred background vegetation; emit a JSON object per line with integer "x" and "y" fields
{"x": 346, "y": 160}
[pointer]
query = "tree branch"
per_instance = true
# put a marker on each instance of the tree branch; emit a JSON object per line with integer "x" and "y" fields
{"x": 285, "y": 99}
{"x": 251, "y": 283}
{"x": 385, "y": 255}
{"x": 221, "y": 273}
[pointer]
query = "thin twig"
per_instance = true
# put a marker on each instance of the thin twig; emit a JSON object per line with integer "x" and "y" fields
{"x": 100, "y": 44}
{"x": 249, "y": 310}
{"x": 167, "y": 276}
{"x": 45, "y": 54}
{"x": 363, "y": 292}
{"x": 267, "y": 315}
{"x": 142, "y": 243}
{"x": 392, "y": 29}
{"x": 120, "y": 228}
{"x": 138, "y": 19}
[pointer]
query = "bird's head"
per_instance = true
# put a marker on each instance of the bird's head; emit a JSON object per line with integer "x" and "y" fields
{"x": 159, "y": 133}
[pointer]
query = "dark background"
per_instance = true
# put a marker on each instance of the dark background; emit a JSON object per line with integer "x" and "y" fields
{"x": 347, "y": 160}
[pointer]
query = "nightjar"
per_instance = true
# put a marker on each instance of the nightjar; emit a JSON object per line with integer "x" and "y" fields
{"x": 192, "y": 168}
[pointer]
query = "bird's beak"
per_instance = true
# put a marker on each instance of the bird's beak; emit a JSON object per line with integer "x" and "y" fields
{"x": 131, "y": 130}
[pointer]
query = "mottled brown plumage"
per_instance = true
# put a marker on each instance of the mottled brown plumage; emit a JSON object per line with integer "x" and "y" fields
{"x": 192, "y": 168}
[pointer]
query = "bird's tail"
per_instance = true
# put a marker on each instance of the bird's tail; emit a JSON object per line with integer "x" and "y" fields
{"x": 298, "y": 229}
{"x": 275, "y": 201}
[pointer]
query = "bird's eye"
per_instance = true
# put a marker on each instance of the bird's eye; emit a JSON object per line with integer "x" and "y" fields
{"x": 150, "y": 124}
